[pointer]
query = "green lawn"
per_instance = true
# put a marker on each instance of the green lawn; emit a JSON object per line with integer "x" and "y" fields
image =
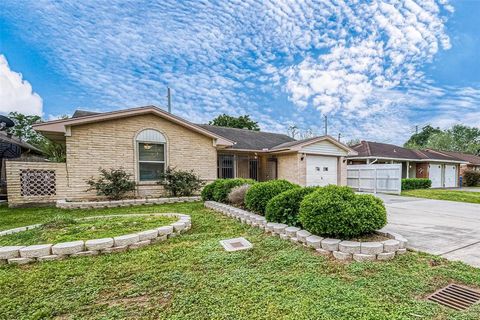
{"x": 444, "y": 194}
{"x": 191, "y": 277}
{"x": 63, "y": 228}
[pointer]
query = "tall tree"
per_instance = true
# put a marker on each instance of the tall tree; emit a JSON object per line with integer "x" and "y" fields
{"x": 419, "y": 140}
{"x": 23, "y": 127}
{"x": 459, "y": 138}
{"x": 241, "y": 122}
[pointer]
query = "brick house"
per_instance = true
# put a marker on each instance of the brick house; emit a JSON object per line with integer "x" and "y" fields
{"x": 146, "y": 140}
{"x": 442, "y": 168}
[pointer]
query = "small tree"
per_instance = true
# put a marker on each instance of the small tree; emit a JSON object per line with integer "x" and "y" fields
{"x": 113, "y": 183}
{"x": 241, "y": 122}
{"x": 179, "y": 182}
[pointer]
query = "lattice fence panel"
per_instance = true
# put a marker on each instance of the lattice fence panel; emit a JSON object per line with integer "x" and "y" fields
{"x": 36, "y": 182}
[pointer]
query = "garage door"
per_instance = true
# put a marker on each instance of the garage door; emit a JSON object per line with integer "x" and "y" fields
{"x": 435, "y": 174}
{"x": 321, "y": 170}
{"x": 450, "y": 176}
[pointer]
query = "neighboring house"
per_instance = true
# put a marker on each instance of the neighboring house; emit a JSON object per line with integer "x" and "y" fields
{"x": 12, "y": 147}
{"x": 442, "y": 169}
{"x": 472, "y": 161}
{"x": 147, "y": 140}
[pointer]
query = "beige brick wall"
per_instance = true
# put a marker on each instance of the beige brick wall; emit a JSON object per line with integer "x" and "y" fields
{"x": 13, "y": 169}
{"x": 111, "y": 144}
{"x": 290, "y": 168}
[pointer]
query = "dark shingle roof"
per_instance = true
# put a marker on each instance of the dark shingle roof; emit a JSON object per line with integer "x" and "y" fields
{"x": 248, "y": 139}
{"x": 6, "y": 138}
{"x": 471, "y": 158}
{"x": 83, "y": 113}
{"x": 385, "y": 150}
{"x": 292, "y": 143}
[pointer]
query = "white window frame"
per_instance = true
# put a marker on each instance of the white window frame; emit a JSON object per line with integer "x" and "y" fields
{"x": 152, "y": 142}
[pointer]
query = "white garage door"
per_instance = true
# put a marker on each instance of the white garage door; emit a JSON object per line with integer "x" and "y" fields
{"x": 450, "y": 176}
{"x": 435, "y": 174}
{"x": 321, "y": 170}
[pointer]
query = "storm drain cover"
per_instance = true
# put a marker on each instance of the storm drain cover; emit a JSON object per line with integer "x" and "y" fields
{"x": 236, "y": 244}
{"x": 455, "y": 297}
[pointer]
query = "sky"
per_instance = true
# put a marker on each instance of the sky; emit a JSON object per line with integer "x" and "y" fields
{"x": 376, "y": 69}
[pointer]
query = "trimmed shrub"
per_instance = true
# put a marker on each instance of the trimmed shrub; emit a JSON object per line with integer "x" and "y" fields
{"x": 113, "y": 184}
{"x": 223, "y": 188}
{"x": 283, "y": 208}
{"x": 237, "y": 195}
{"x": 471, "y": 178}
{"x": 259, "y": 194}
{"x": 207, "y": 191}
{"x": 180, "y": 182}
{"x": 416, "y": 183}
{"x": 335, "y": 211}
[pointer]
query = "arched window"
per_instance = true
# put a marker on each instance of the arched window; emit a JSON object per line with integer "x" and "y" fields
{"x": 151, "y": 146}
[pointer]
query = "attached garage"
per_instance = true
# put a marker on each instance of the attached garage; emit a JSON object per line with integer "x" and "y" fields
{"x": 313, "y": 162}
{"x": 443, "y": 175}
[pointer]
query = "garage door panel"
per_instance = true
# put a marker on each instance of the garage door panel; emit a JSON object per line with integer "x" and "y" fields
{"x": 435, "y": 174}
{"x": 321, "y": 170}
{"x": 450, "y": 176}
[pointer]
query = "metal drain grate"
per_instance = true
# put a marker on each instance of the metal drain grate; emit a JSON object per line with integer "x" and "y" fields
{"x": 456, "y": 297}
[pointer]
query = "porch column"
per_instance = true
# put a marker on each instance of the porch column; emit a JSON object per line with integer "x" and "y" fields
{"x": 408, "y": 169}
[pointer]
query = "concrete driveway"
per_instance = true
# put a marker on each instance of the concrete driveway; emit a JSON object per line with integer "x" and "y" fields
{"x": 446, "y": 228}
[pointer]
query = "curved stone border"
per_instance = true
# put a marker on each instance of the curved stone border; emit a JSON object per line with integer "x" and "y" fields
{"x": 63, "y": 204}
{"x": 93, "y": 247}
{"x": 339, "y": 249}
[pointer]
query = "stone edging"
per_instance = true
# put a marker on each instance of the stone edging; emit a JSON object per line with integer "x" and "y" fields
{"x": 63, "y": 204}
{"x": 339, "y": 249}
{"x": 93, "y": 247}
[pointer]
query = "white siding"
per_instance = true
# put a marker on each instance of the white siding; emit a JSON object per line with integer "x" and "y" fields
{"x": 324, "y": 147}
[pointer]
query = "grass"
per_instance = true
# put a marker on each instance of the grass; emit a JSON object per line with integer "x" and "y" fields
{"x": 64, "y": 228}
{"x": 444, "y": 194}
{"x": 191, "y": 277}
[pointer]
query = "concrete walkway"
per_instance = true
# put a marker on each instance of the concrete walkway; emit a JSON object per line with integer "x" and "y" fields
{"x": 446, "y": 228}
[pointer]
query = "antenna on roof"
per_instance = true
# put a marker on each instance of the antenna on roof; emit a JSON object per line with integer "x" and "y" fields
{"x": 169, "y": 100}
{"x": 326, "y": 125}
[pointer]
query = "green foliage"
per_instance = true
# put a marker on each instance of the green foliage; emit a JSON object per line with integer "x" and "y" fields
{"x": 416, "y": 183}
{"x": 23, "y": 128}
{"x": 127, "y": 284}
{"x": 259, "y": 194}
{"x": 335, "y": 211}
{"x": 53, "y": 151}
{"x": 471, "y": 178}
{"x": 241, "y": 122}
{"x": 420, "y": 140}
{"x": 207, "y": 191}
{"x": 113, "y": 183}
{"x": 459, "y": 138}
{"x": 444, "y": 194}
{"x": 180, "y": 182}
{"x": 223, "y": 188}
{"x": 283, "y": 208}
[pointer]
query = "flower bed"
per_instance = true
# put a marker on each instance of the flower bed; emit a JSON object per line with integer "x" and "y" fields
{"x": 339, "y": 249}
{"x": 122, "y": 203}
{"x": 92, "y": 247}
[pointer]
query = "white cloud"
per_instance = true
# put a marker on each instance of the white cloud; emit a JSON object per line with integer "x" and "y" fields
{"x": 360, "y": 62}
{"x": 16, "y": 94}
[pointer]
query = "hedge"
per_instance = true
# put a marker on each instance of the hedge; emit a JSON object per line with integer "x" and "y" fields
{"x": 283, "y": 208}
{"x": 223, "y": 188}
{"x": 416, "y": 183}
{"x": 207, "y": 192}
{"x": 338, "y": 212}
{"x": 471, "y": 178}
{"x": 259, "y": 194}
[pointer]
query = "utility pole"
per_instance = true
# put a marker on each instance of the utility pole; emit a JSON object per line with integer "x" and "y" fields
{"x": 339, "y": 136}
{"x": 416, "y": 129}
{"x": 326, "y": 125}
{"x": 169, "y": 100}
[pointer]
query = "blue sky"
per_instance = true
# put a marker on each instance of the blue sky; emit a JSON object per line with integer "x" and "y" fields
{"x": 376, "y": 68}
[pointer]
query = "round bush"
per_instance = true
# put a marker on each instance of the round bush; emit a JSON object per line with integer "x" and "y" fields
{"x": 207, "y": 192}
{"x": 283, "y": 208}
{"x": 335, "y": 211}
{"x": 237, "y": 195}
{"x": 259, "y": 194}
{"x": 223, "y": 188}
